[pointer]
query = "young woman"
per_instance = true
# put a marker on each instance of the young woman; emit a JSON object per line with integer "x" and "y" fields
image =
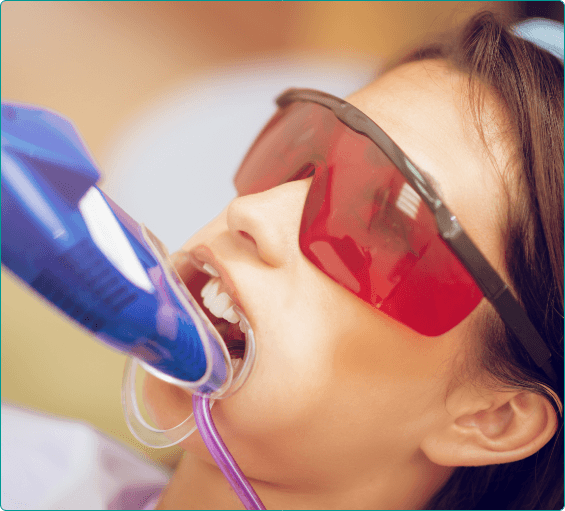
{"x": 378, "y": 382}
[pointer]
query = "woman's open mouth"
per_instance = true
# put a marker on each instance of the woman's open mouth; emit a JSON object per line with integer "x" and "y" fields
{"x": 211, "y": 294}
{"x": 217, "y": 302}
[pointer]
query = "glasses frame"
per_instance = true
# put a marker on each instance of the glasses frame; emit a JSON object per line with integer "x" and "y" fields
{"x": 495, "y": 290}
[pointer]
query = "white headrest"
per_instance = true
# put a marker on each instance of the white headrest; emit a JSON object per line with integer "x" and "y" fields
{"x": 546, "y": 34}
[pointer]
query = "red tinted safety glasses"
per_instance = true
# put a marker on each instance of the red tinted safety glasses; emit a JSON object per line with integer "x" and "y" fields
{"x": 374, "y": 224}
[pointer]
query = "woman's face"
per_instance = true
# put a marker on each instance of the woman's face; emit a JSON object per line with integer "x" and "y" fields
{"x": 339, "y": 388}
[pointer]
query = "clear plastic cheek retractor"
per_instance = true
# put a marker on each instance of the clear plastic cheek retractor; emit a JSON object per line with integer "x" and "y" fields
{"x": 73, "y": 245}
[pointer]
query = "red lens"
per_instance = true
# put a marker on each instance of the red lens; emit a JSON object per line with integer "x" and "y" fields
{"x": 362, "y": 225}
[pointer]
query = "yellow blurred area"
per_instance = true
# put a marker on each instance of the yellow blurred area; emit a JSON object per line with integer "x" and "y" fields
{"x": 98, "y": 63}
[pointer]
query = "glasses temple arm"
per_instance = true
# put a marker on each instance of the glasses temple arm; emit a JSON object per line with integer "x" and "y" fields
{"x": 515, "y": 317}
{"x": 496, "y": 291}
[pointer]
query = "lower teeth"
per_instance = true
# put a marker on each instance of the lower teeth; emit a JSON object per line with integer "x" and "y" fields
{"x": 240, "y": 342}
{"x": 236, "y": 348}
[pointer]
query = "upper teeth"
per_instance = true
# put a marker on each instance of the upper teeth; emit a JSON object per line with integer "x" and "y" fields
{"x": 211, "y": 270}
{"x": 221, "y": 305}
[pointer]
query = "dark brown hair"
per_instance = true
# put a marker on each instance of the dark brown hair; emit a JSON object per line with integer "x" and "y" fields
{"x": 529, "y": 82}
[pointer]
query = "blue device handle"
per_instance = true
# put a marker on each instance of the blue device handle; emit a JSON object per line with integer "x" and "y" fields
{"x": 69, "y": 242}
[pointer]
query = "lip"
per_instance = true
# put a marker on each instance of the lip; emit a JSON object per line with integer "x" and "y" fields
{"x": 201, "y": 255}
{"x": 198, "y": 257}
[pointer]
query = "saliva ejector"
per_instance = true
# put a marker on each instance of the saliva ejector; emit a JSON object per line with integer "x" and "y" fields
{"x": 67, "y": 240}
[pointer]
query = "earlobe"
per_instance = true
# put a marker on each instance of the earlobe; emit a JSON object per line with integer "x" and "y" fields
{"x": 491, "y": 428}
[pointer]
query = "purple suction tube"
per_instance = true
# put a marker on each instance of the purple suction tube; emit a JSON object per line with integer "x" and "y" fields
{"x": 221, "y": 455}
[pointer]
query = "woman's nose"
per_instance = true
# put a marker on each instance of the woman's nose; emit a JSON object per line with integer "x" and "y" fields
{"x": 269, "y": 222}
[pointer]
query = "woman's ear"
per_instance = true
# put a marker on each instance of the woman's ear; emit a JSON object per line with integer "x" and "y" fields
{"x": 485, "y": 427}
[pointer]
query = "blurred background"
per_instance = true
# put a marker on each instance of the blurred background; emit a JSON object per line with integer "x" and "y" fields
{"x": 168, "y": 96}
